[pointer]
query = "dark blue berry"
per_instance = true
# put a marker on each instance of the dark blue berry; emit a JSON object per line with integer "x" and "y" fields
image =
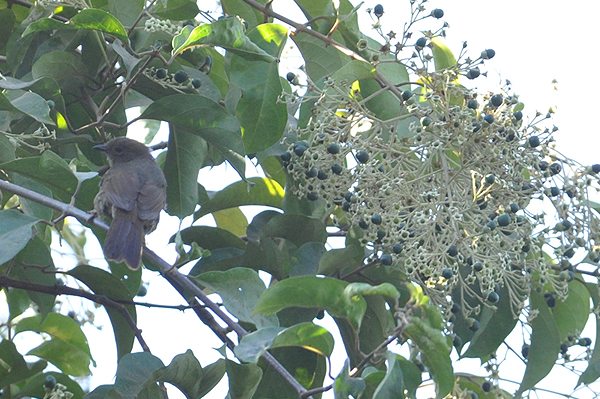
{"x": 310, "y": 173}
{"x": 381, "y": 234}
{"x": 475, "y": 326}
{"x": 426, "y": 121}
{"x": 569, "y": 253}
{"x": 596, "y": 168}
{"x": 473, "y": 73}
{"x": 472, "y": 104}
{"x": 554, "y": 191}
{"x": 497, "y": 100}
{"x": 406, "y": 94}
{"x": 503, "y": 220}
{"x": 525, "y": 351}
{"x": 376, "y": 219}
{"x": 518, "y": 115}
{"x": 478, "y": 266}
{"x": 386, "y": 260}
{"x": 321, "y": 175}
{"x": 180, "y": 76}
{"x": 363, "y": 225}
{"x": 397, "y": 248}
{"x": 49, "y": 382}
{"x": 447, "y": 273}
{"x": 196, "y": 83}
{"x": 489, "y": 118}
{"x": 362, "y": 156}
{"x": 336, "y": 168}
{"x": 161, "y": 73}
{"x": 493, "y": 297}
{"x": 490, "y": 179}
{"x": 333, "y": 148}
{"x": 488, "y": 54}
{"x": 457, "y": 341}
{"x": 437, "y": 13}
{"x": 452, "y": 251}
{"x": 455, "y": 308}
{"x": 378, "y": 10}
{"x": 555, "y": 168}
{"x": 421, "y": 42}
{"x": 312, "y": 196}
{"x": 300, "y": 147}
{"x": 514, "y": 207}
{"x": 534, "y": 141}
{"x": 290, "y": 77}
{"x": 486, "y": 386}
{"x": 491, "y": 225}
{"x": 286, "y": 156}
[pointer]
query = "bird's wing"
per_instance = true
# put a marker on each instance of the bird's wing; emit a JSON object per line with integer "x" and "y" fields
{"x": 122, "y": 187}
{"x": 151, "y": 200}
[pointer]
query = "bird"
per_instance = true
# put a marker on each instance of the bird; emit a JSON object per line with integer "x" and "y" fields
{"x": 132, "y": 193}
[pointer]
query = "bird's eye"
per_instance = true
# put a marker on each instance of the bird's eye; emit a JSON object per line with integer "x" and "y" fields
{"x": 118, "y": 150}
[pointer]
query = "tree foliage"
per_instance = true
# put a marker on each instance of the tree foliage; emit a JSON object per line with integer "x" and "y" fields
{"x": 459, "y": 221}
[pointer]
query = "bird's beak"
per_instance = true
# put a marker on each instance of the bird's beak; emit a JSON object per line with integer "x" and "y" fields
{"x": 100, "y": 147}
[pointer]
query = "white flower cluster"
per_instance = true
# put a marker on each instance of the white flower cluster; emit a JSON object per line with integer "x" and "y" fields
{"x": 155, "y": 24}
{"x": 441, "y": 192}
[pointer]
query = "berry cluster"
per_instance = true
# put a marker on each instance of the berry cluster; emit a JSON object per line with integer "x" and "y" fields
{"x": 444, "y": 192}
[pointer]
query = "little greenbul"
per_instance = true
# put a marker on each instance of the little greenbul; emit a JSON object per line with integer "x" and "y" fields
{"x": 132, "y": 193}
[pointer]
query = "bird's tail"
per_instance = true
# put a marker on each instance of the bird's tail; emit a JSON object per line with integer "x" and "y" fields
{"x": 125, "y": 239}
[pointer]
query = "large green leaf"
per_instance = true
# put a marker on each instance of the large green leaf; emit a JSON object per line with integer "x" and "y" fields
{"x": 185, "y": 372}
{"x": 15, "y": 233}
{"x": 49, "y": 169}
{"x": 239, "y": 288}
{"x": 255, "y": 191}
{"x": 227, "y": 32}
{"x": 35, "y": 385}
{"x": 298, "y": 229}
{"x": 126, "y": 11}
{"x": 320, "y": 59}
{"x": 33, "y": 265}
{"x": 392, "y": 385}
{"x": 86, "y": 19}
{"x": 592, "y": 372}
{"x": 29, "y": 103}
{"x": 435, "y": 351}
{"x": 305, "y": 335}
{"x": 572, "y": 314}
{"x": 64, "y": 67}
{"x": 442, "y": 56}
{"x": 103, "y": 283}
{"x": 68, "y": 349}
{"x": 7, "y": 22}
{"x": 313, "y": 292}
{"x": 14, "y": 367}
{"x": 210, "y": 238}
{"x": 185, "y": 156}
{"x": 176, "y": 10}
{"x": 243, "y": 379}
{"x": 495, "y": 327}
{"x": 545, "y": 344}
{"x": 243, "y": 10}
{"x": 206, "y": 118}
{"x": 262, "y": 116}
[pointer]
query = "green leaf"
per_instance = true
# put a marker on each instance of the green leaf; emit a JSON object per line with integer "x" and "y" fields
{"x": 185, "y": 156}
{"x": 7, "y": 22}
{"x": 572, "y": 314}
{"x": 134, "y": 371}
{"x": 213, "y": 373}
{"x": 243, "y": 379}
{"x": 240, "y": 289}
{"x": 227, "y": 32}
{"x": 255, "y": 191}
{"x": 262, "y": 116}
{"x": 126, "y": 11}
{"x": 243, "y": 10}
{"x": 30, "y": 207}
{"x": 176, "y": 10}
{"x": 103, "y": 283}
{"x": 545, "y": 344}
{"x": 29, "y": 103}
{"x": 345, "y": 386}
{"x": 411, "y": 375}
{"x": 210, "y": 238}
{"x": 49, "y": 169}
{"x": 495, "y": 327}
{"x": 68, "y": 349}
{"x": 320, "y": 59}
{"x": 435, "y": 352}
{"x": 44, "y": 86}
{"x": 353, "y": 71}
{"x": 592, "y": 372}
{"x": 392, "y": 385}
{"x": 306, "y": 259}
{"x": 36, "y": 253}
{"x": 307, "y": 335}
{"x": 35, "y": 385}
{"x": 338, "y": 259}
{"x": 207, "y": 119}
{"x": 442, "y": 56}
{"x": 65, "y": 68}
{"x": 232, "y": 220}
{"x": 255, "y": 344}
{"x": 15, "y": 233}
{"x": 313, "y": 292}
{"x": 14, "y": 367}
{"x": 185, "y": 372}
{"x": 298, "y": 229}
{"x": 86, "y": 19}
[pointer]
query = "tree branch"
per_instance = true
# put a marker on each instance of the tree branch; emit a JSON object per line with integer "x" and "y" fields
{"x": 57, "y": 290}
{"x": 268, "y": 12}
{"x": 179, "y": 281}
